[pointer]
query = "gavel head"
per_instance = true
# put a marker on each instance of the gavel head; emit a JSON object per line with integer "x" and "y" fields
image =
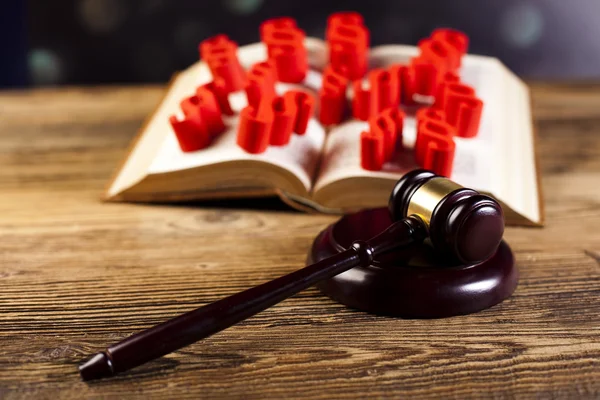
{"x": 461, "y": 222}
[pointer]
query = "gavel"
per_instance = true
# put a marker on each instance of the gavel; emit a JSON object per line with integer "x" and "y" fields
{"x": 462, "y": 225}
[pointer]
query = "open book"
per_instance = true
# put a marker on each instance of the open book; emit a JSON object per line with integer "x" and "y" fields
{"x": 321, "y": 169}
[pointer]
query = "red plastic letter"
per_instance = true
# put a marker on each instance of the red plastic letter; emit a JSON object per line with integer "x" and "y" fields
{"x": 190, "y": 133}
{"x": 348, "y": 41}
{"x": 463, "y": 109}
{"x": 284, "y": 117}
{"x": 435, "y": 147}
{"x": 371, "y": 151}
{"x": 364, "y": 105}
{"x": 219, "y": 90}
{"x": 285, "y": 46}
{"x": 220, "y": 54}
{"x": 305, "y": 104}
{"x": 332, "y": 97}
{"x": 383, "y": 125}
{"x": 254, "y": 130}
{"x": 261, "y": 82}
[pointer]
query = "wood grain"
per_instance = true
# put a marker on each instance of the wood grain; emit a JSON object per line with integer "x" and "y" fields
{"x": 77, "y": 274}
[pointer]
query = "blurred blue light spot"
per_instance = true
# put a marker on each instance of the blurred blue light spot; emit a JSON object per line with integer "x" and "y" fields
{"x": 45, "y": 66}
{"x": 243, "y": 7}
{"x": 522, "y": 25}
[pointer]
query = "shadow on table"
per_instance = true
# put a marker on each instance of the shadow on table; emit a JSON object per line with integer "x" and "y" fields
{"x": 257, "y": 204}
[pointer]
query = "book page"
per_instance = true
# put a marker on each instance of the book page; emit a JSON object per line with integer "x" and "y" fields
{"x": 301, "y": 156}
{"x": 499, "y": 160}
{"x": 520, "y": 168}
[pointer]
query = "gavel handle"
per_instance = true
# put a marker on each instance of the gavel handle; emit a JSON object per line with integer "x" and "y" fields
{"x": 212, "y": 318}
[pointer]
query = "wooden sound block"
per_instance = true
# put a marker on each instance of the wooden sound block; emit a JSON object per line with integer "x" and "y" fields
{"x": 411, "y": 285}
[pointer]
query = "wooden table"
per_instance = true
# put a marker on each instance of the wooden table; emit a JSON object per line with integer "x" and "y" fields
{"x": 77, "y": 275}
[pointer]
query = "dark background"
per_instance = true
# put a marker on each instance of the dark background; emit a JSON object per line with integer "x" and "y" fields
{"x": 49, "y": 42}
